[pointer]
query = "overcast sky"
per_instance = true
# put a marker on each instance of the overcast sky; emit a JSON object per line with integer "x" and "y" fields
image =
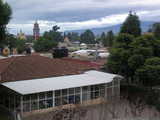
{"x": 78, "y": 14}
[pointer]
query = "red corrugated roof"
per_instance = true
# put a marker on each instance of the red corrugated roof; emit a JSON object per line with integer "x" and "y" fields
{"x": 35, "y": 66}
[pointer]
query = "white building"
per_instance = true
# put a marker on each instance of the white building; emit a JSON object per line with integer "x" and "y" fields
{"x": 30, "y": 83}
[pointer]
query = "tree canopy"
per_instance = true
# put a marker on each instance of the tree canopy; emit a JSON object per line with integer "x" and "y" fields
{"x": 5, "y": 16}
{"x": 88, "y": 37}
{"x": 107, "y": 39}
{"x": 131, "y": 25}
{"x": 137, "y": 59}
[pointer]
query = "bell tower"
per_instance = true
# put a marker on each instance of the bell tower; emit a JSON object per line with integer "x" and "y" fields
{"x": 36, "y": 31}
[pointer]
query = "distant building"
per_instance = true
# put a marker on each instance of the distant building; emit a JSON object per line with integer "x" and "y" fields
{"x": 21, "y": 35}
{"x": 36, "y": 31}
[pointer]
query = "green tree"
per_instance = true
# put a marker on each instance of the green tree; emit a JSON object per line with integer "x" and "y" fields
{"x": 5, "y": 16}
{"x": 124, "y": 40}
{"x": 73, "y": 36}
{"x": 11, "y": 41}
{"x": 53, "y": 35}
{"x": 44, "y": 45}
{"x": 131, "y": 25}
{"x": 119, "y": 55}
{"x": 156, "y": 30}
{"x": 20, "y": 45}
{"x": 110, "y": 38}
{"x": 103, "y": 39}
{"x": 88, "y": 37}
{"x": 149, "y": 74}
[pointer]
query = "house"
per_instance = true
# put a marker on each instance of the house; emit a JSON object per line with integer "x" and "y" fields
{"x": 34, "y": 83}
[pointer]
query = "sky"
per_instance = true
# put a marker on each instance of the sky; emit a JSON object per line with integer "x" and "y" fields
{"x": 77, "y": 14}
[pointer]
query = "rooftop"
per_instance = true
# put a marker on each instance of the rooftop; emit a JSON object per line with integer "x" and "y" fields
{"x": 63, "y": 82}
{"x": 35, "y": 66}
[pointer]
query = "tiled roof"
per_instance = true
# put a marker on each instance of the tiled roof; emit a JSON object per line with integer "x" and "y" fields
{"x": 35, "y": 66}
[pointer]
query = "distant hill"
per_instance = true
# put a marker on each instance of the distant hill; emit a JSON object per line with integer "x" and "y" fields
{"x": 145, "y": 25}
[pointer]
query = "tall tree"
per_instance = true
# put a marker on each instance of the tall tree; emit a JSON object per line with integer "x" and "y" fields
{"x": 5, "y": 16}
{"x": 103, "y": 39}
{"x": 119, "y": 55}
{"x": 131, "y": 25}
{"x": 110, "y": 38}
{"x": 88, "y": 37}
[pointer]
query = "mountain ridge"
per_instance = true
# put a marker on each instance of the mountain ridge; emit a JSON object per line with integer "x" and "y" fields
{"x": 145, "y": 25}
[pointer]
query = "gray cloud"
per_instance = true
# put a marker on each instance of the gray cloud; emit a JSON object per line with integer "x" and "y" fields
{"x": 74, "y": 11}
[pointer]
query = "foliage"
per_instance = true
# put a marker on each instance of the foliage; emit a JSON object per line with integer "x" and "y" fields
{"x": 73, "y": 36}
{"x": 131, "y": 25}
{"x": 131, "y": 56}
{"x": 103, "y": 39}
{"x": 49, "y": 40}
{"x": 156, "y": 30}
{"x": 53, "y": 35}
{"x": 5, "y": 16}
{"x": 12, "y": 42}
{"x": 88, "y": 37}
{"x": 43, "y": 44}
{"x": 123, "y": 40}
{"x": 110, "y": 38}
{"x": 149, "y": 74}
{"x": 20, "y": 45}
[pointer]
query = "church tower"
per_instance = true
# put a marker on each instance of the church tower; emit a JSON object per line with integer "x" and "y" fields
{"x": 36, "y": 31}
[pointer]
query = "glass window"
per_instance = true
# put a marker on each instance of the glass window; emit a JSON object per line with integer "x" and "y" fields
{"x": 34, "y": 97}
{"x": 34, "y": 105}
{"x": 85, "y": 89}
{"x": 102, "y": 87}
{"x": 58, "y": 101}
{"x": 42, "y": 104}
{"x": 102, "y": 92}
{"x": 92, "y": 88}
{"x": 49, "y": 103}
{"x": 97, "y": 94}
{"x": 77, "y": 99}
{"x": 77, "y": 90}
{"x": 84, "y": 96}
{"x": 71, "y": 91}
{"x": 42, "y": 96}
{"x": 26, "y": 98}
{"x": 49, "y": 94}
{"x": 64, "y": 92}
{"x": 26, "y": 106}
{"x": 71, "y": 99}
{"x": 93, "y": 95}
{"x": 57, "y": 93}
{"x": 64, "y": 100}
{"x": 97, "y": 87}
